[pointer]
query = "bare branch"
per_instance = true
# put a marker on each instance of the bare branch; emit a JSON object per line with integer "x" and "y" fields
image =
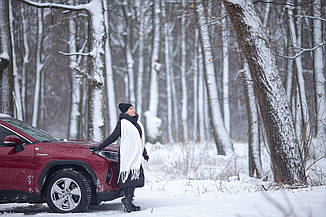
{"x": 303, "y": 50}
{"x": 284, "y": 3}
{"x": 80, "y": 7}
{"x": 89, "y": 78}
{"x": 311, "y": 17}
{"x": 76, "y": 53}
{"x": 272, "y": 2}
{"x": 315, "y": 162}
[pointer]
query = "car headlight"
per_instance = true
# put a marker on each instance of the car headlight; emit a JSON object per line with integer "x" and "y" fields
{"x": 108, "y": 155}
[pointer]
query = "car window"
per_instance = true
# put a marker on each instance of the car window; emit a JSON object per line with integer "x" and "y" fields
{"x": 5, "y": 132}
{"x": 36, "y": 133}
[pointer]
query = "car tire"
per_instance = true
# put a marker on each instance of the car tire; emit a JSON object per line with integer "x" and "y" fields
{"x": 68, "y": 191}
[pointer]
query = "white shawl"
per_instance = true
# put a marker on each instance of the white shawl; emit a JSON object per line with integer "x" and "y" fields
{"x": 131, "y": 150}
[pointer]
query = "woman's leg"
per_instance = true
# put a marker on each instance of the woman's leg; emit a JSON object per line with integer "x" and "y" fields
{"x": 126, "y": 201}
{"x": 134, "y": 207}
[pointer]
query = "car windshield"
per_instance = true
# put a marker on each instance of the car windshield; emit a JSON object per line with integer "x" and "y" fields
{"x": 36, "y": 133}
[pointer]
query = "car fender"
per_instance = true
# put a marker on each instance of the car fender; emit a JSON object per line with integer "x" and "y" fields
{"x": 62, "y": 163}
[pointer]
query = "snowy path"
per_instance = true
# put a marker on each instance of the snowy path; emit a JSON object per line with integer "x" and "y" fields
{"x": 175, "y": 201}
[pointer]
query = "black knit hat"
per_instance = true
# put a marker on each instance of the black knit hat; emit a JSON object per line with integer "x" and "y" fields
{"x": 124, "y": 107}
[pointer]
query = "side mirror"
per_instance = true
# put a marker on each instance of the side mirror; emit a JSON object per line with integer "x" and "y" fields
{"x": 12, "y": 140}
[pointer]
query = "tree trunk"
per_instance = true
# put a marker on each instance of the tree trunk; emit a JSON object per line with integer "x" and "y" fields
{"x": 285, "y": 154}
{"x": 110, "y": 88}
{"x": 140, "y": 76}
{"x": 17, "y": 93}
{"x": 26, "y": 60}
{"x": 195, "y": 72}
{"x": 6, "y": 74}
{"x": 155, "y": 61}
{"x": 255, "y": 165}
{"x": 295, "y": 41}
{"x": 97, "y": 108}
{"x": 38, "y": 68}
{"x": 75, "y": 106}
{"x": 221, "y": 136}
{"x": 183, "y": 54}
{"x": 201, "y": 96}
{"x": 226, "y": 83}
{"x": 318, "y": 71}
{"x": 153, "y": 123}
{"x": 128, "y": 54}
{"x": 168, "y": 27}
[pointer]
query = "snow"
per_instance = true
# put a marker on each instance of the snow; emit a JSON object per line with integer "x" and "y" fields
{"x": 169, "y": 193}
{"x": 4, "y": 115}
{"x": 4, "y": 56}
{"x": 153, "y": 126}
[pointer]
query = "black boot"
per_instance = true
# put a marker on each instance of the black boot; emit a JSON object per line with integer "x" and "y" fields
{"x": 134, "y": 207}
{"x": 126, "y": 201}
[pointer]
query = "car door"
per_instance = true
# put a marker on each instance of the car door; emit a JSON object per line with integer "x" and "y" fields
{"x": 16, "y": 168}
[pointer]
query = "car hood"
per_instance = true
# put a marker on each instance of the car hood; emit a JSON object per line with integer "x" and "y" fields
{"x": 82, "y": 144}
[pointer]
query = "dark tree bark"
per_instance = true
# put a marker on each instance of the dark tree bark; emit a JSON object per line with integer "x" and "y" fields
{"x": 285, "y": 154}
{"x": 6, "y": 74}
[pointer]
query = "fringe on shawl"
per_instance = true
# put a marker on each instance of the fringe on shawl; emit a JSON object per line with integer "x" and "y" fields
{"x": 125, "y": 174}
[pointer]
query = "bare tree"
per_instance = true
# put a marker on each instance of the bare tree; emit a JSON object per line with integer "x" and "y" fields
{"x": 184, "y": 101}
{"x": 6, "y": 74}
{"x": 96, "y": 77}
{"x": 255, "y": 163}
{"x": 319, "y": 71}
{"x": 153, "y": 123}
{"x": 168, "y": 27}
{"x": 285, "y": 154}
{"x": 223, "y": 141}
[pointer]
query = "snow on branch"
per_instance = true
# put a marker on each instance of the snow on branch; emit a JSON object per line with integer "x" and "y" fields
{"x": 311, "y": 17}
{"x": 75, "y": 53}
{"x": 89, "y": 78}
{"x": 272, "y": 2}
{"x": 57, "y": 6}
{"x": 303, "y": 50}
{"x": 283, "y": 3}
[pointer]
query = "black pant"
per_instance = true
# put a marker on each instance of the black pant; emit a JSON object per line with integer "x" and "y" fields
{"x": 129, "y": 192}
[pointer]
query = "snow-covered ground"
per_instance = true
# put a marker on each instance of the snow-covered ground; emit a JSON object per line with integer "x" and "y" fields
{"x": 190, "y": 180}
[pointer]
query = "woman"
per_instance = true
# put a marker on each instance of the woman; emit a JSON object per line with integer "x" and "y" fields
{"x": 132, "y": 149}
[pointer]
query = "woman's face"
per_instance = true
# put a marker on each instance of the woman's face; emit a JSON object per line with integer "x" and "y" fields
{"x": 131, "y": 111}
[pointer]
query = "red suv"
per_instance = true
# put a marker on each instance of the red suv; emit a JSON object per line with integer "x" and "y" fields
{"x": 67, "y": 175}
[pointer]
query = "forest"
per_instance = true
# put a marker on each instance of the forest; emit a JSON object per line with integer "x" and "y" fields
{"x": 223, "y": 71}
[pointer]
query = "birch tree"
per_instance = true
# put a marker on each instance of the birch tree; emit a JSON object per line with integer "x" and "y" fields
{"x": 153, "y": 123}
{"x": 201, "y": 95}
{"x": 128, "y": 53}
{"x": 318, "y": 71}
{"x": 75, "y": 106}
{"x": 141, "y": 35}
{"x": 97, "y": 108}
{"x": 195, "y": 99}
{"x": 305, "y": 122}
{"x": 255, "y": 163}
{"x": 168, "y": 66}
{"x": 17, "y": 90}
{"x": 222, "y": 139}
{"x": 6, "y": 74}
{"x": 226, "y": 82}
{"x": 39, "y": 65}
{"x": 26, "y": 60}
{"x": 285, "y": 154}
{"x": 110, "y": 88}
{"x": 184, "y": 112}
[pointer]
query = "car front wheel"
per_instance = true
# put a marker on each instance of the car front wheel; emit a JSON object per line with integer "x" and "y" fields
{"x": 68, "y": 191}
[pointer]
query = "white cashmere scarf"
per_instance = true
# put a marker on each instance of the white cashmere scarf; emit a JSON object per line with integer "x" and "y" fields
{"x": 131, "y": 150}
